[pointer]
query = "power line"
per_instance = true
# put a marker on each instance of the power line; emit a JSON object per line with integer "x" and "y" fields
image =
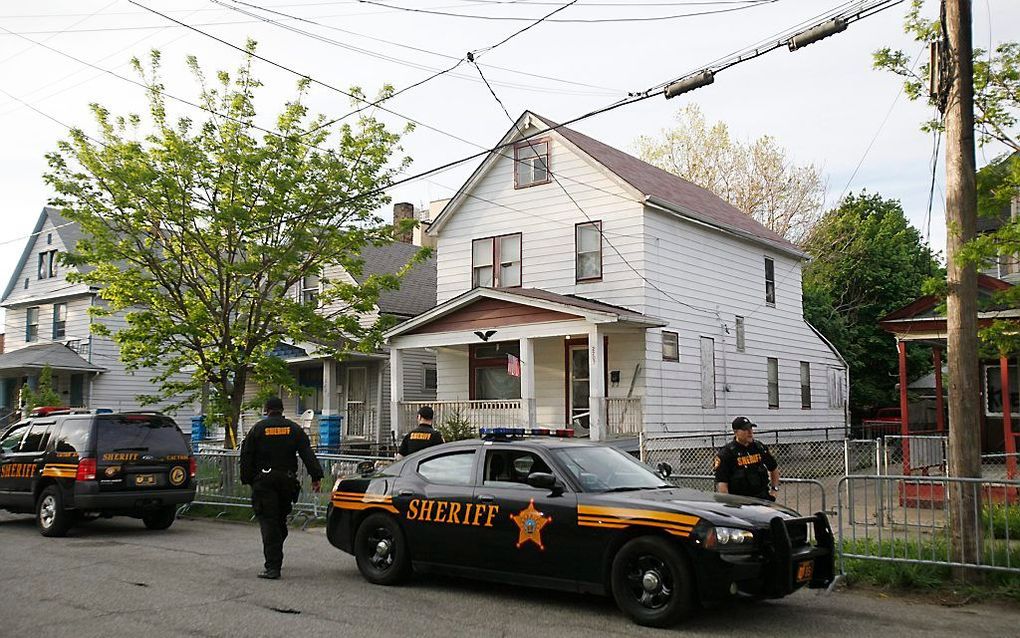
{"x": 546, "y": 18}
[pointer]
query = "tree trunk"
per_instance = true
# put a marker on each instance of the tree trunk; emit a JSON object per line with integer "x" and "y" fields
{"x": 961, "y": 225}
{"x": 234, "y": 412}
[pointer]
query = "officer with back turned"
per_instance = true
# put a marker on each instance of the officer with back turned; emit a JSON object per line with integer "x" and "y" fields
{"x": 421, "y": 437}
{"x": 744, "y": 466}
{"x": 269, "y": 466}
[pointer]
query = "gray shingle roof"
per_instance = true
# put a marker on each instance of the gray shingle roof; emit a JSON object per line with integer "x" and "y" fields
{"x": 55, "y": 355}
{"x": 417, "y": 291}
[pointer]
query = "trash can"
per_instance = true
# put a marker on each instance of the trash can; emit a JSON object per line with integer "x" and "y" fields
{"x": 329, "y": 431}
{"x": 198, "y": 432}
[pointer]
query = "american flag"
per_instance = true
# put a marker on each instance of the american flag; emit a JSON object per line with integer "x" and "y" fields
{"x": 513, "y": 366}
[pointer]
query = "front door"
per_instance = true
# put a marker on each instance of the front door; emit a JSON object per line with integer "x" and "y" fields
{"x": 578, "y": 387}
{"x": 357, "y": 402}
{"x": 534, "y": 532}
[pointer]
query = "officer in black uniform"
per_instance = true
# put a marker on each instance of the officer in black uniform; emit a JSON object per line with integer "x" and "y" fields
{"x": 269, "y": 466}
{"x": 744, "y": 466}
{"x": 422, "y": 436}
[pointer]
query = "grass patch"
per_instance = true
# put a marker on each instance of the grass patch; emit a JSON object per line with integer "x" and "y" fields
{"x": 935, "y": 579}
{"x": 1002, "y": 521}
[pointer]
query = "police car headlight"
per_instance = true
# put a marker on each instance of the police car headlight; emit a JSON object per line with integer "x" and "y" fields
{"x": 728, "y": 538}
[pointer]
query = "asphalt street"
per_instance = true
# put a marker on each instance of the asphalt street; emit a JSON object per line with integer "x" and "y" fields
{"x": 113, "y": 578}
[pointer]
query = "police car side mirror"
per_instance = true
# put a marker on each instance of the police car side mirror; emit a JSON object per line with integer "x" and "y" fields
{"x": 665, "y": 469}
{"x": 546, "y": 481}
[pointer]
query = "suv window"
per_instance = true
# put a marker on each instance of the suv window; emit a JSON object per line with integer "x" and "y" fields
{"x": 512, "y": 466}
{"x": 13, "y": 437}
{"x": 74, "y": 436}
{"x": 150, "y": 433}
{"x": 449, "y": 469}
{"x": 38, "y": 437}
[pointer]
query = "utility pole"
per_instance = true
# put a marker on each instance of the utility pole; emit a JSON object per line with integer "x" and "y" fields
{"x": 961, "y": 326}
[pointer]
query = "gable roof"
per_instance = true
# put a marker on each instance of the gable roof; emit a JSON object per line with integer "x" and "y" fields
{"x": 659, "y": 187}
{"x": 55, "y": 355}
{"x": 417, "y": 292}
{"x": 925, "y": 307}
{"x": 69, "y": 233}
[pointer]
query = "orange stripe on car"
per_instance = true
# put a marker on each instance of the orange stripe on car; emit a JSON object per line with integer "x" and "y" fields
{"x": 627, "y": 513}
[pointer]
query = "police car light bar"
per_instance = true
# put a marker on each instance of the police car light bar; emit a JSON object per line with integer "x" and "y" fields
{"x": 489, "y": 433}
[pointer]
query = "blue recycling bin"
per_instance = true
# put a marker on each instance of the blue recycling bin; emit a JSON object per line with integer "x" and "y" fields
{"x": 198, "y": 431}
{"x": 329, "y": 431}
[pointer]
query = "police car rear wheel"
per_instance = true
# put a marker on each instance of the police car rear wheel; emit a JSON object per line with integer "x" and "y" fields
{"x": 50, "y": 515}
{"x": 381, "y": 551}
{"x": 160, "y": 519}
{"x": 651, "y": 582}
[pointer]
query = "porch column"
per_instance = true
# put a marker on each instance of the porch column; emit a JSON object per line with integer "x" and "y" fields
{"x": 904, "y": 414}
{"x": 396, "y": 388}
{"x": 330, "y": 401}
{"x": 940, "y": 415}
{"x": 597, "y": 384}
{"x": 529, "y": 413}
{"x": 1007, "y": 426}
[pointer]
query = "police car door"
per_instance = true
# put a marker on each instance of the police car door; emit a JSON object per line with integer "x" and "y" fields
{"x": 535, "y": 531}
{"x": 27, "y": 461}
{"x": 10, "y": 464}
{"x": 436, "y": 502}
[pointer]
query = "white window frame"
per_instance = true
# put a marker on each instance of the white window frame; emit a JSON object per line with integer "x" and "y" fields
{"x": 741, "y": 336}
{"x": 536, "y": 151}
{"x": 309, "y": 293}
{"x": 578, "y": 229}
{"x": 770, "y": 282}
{"x": 31, "y": 329}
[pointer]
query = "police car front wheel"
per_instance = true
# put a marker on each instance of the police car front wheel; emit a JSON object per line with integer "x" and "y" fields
{"x": 381, "y": 550}
{"x": 651, "y": 582}
{"x": 50, "y": 515}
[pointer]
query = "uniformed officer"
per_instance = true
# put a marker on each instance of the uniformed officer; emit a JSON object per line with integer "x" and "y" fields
{"x": 269, "y": 466}
{"x": 422, "y": 436}
{"x": 744, "y": 466}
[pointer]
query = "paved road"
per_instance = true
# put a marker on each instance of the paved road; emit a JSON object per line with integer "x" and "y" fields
{"x": 113, "y": 578}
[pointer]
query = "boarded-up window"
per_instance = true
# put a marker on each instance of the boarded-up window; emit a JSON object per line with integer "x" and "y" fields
{"x": 770, "y": 281}
{"x": 835, "y": 388}
{"x": 707, "y": 372}
{"x": 805, "y": 385}
{"x": 741, "y": 339}
{"x": 773, "y": 382}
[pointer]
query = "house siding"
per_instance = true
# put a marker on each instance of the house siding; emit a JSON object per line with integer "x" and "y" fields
{"x": 43, "y": 288}
{"x": 76, "y": 328}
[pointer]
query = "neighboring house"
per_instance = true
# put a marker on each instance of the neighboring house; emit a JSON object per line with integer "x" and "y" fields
{"x": 1006, "y": 266}
{"x": 358, "y": 387}
{"x": 638, "y": 303}
{"x": 47, "y": 324}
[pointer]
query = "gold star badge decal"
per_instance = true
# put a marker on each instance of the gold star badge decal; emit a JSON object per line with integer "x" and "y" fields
{"x": 530, "y": 521}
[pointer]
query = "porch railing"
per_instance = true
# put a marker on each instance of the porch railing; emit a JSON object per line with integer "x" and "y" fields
{"x": 624, "y": 417}
{"x": 479, "y": 414}
{"x": 361, "y": 423}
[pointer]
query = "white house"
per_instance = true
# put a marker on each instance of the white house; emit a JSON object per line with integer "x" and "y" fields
{"x": 47, "y": 324}
{"x": 634, "y": 300}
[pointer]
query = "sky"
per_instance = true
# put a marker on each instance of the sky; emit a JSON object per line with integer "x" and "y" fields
{"x": 825, "y": 103}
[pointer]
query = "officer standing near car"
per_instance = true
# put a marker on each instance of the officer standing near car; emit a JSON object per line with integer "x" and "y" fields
{"x": 423, "y": 436}
{"x": 744, "y": 466}
{"x": 268, "y": 464}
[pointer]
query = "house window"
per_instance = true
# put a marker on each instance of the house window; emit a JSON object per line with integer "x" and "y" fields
{"x": 770, "y": 281}
{"x": 588, "y": 251}
{"x": 47, "y": 264}
{"x": 993, "y": 390}
{"x": 707, "y": 372}
{"x": 26, "y": 283}
{"x": 496, "y": 262}
{"x": 670, "y": 346}
{"x": 805, "y": 385}
{"x": 59, "y": 320}
{"x": 741, "y": 340}
{"x": 490, "y": 378}
{"x": 773, "y": 373}
{"x": 32, "y": 324}
{"x": 310, "y": 289}
{"x": 430, "y": 378}
{"x": 531, "y": 163}
{"x": 49, "y": 238}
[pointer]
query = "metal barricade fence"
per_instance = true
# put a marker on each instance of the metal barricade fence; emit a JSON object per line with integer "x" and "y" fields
{"x": 218, "y": 481}
{"x": 806, "y": 496}
{"x": 915, "y": 525}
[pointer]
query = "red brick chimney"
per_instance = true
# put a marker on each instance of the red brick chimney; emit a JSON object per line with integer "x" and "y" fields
{"x": 402, "y": 211}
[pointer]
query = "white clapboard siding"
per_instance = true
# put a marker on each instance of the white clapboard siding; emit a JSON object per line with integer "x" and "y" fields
{"x": 76, "y": 327}
{"x": 47, "y": 239}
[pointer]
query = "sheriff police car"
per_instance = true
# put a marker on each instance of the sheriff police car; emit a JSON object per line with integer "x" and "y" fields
{"x": 67, "y": 466}
{"x": 577, "y": 516}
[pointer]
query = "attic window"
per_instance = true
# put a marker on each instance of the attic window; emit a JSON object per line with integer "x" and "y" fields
{"x": 531, "y": 163}
{"x": 49, "y": 238}
{"x": 310, "y": 290}
{"x": 47, "y": 264}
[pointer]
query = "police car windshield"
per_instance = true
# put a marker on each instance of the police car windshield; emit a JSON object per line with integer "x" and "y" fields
{"x": 604, "y": 469}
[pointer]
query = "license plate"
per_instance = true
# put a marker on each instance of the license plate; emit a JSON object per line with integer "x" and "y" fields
{"x": 145, "y": 479}
{"x": 805, "y": 570}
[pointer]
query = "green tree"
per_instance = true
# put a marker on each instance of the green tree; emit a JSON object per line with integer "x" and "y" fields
{"x": 756, "y": 177}
{"x": 43, "y": 395}
{"x": 866, "y": 262}
{"x": 203, "y": 232}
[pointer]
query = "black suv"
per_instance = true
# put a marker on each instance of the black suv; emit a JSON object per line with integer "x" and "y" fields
{"x": 67, "y": 467}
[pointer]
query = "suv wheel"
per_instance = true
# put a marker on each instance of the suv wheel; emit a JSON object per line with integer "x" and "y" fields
{"x": 381, "y": 550}
{"x": 652, "y": 582}
{"x": 160, "y": 519}
{"x": 50, "y": 515}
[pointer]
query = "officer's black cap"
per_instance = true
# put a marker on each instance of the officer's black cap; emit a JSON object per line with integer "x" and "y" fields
{"x": 274, "y": 404}
{"x": 742, "y": 423}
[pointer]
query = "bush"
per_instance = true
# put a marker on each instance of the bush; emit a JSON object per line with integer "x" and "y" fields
{"x": 456, "y": 427}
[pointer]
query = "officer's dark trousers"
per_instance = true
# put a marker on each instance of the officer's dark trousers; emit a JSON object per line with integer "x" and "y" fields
{"x": 271, "y": 501}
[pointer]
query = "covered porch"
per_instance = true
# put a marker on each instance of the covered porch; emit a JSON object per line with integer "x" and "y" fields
{"x": 528, "y": 358}
{"x": 72, "y": 374}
